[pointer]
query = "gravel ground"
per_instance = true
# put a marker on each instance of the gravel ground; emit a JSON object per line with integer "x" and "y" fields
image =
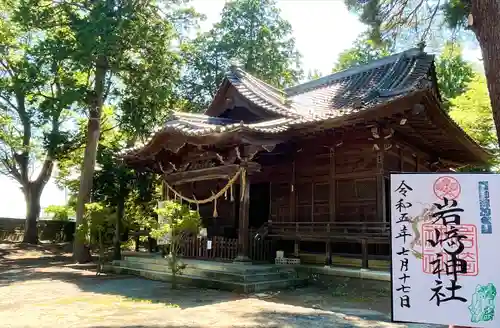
{"x": 39, "y": 287}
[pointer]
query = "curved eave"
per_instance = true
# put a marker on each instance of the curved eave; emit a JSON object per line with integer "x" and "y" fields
{"x": 174, "y": 139}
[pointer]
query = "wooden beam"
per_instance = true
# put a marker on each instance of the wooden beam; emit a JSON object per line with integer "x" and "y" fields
{"x": 380, "y": 179}
{"x": 364, "y": 253}
{"x": 333, "y": 186}
{"x": 328, "y": 253}
{"x": 211, "y": 173}
{"x": 243, "y": 238}
{"x": 292, "y": 199}
{"x": 401, "y": 159}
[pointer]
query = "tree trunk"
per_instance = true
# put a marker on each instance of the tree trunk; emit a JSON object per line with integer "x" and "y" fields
{"x": 486, "y": 14}
{"x": 32, "y": 194}
{"x": 96, "y": 100}
{"x": 117, "y": 255}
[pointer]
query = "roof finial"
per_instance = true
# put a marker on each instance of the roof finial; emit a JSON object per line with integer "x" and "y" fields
{"x": 421, "y": 45}
{"x": 234, "y": 64}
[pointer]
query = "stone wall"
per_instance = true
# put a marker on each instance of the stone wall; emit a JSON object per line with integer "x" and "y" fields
{"x": 55, "y": 231}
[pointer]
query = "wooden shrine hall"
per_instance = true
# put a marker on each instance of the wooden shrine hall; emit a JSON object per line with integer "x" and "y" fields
{"x": 307, "y": 168}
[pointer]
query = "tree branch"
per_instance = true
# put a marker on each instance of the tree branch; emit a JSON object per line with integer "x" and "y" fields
{"x": 9, "y": 102}
{"x": 23, "y": 158}
{"x": 11, "y": 170}
{"x": 424, "y": 35}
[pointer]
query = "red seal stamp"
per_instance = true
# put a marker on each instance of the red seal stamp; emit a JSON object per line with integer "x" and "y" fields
{"x": 447, "y": 187}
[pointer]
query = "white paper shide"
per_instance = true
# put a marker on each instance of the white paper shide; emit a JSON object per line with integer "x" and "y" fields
{"x": 445, "y": 263}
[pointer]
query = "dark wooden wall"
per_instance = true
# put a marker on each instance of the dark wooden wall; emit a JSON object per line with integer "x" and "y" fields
{"x": 326, "y": 183}
{"x": 319, "y": 182}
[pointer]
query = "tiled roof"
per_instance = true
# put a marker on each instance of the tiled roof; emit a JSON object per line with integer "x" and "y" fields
{"x": 339, "y": 94}
{"x": 199, "y": 125}
{"x": 260, "y": 93}
{"x": 364, "y": 86}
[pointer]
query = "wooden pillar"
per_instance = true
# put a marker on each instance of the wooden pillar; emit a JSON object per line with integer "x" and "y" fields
{"x": 292, "y": 199}
{"x": 364, "y": 254}
{"x": 401, "y": 159}
{"x": 380, "y": 199}
{"x": 243, "y": 241}
{"x": 328, "y": 253}
{"x": 296, "y": 247}
{"x": 380, "y": 185}
{"x": 333, "y": 187}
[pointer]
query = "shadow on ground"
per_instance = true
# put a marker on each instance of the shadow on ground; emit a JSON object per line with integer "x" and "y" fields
{"x": 47, "y": 286}
{"x": 55, "y": 264}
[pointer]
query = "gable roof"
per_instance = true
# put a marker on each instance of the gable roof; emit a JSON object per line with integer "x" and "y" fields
{"x": 255, "y": 91}
{"x": 327, "y": 102}
{"x": 339, "y": 93}
{"x": 365, "y": 86}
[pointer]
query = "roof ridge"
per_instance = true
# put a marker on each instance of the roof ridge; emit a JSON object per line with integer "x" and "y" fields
{"x": 314, "y": 84}
{"x": 247, "y": 84}
{"x": 235, "y": 69}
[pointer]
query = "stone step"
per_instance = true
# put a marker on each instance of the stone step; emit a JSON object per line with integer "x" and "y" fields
{"x": 204, "y": 282}
{"x": 212, "y": 274}
{"x": 216, "y": 266}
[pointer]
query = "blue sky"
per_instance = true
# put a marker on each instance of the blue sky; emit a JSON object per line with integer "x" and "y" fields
{"x": 322, "y": 29}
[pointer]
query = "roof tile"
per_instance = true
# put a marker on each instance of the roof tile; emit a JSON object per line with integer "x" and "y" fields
{"x": 333, "y": 96}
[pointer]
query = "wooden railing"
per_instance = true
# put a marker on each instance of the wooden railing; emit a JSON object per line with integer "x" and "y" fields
{"x": 262, "y": 250}
{"x": 225, "y": 249}
{"x": 221, "y": 248}
{"x": 331, "y": 230}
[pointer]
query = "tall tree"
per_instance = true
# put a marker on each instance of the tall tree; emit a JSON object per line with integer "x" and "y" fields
{"x": 389, "y": 19}
{"x": 313, "y": 74}
{"x": 472, "y": 111}
{"x": 363, "y": 51}
{"x": 37, "y": 101}
{"x": 115, "y": 43}
{"x": 251, "y": 33}
{"x": 453, "y": 72}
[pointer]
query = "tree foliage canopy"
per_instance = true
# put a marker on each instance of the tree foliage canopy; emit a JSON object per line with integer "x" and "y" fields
{"x": 403, "y": 21}
{"x": 363, "y": 51}
{"x": 250, "y": 33}
{"x": 453, "y": 72}
{"x": 472, "y": 111}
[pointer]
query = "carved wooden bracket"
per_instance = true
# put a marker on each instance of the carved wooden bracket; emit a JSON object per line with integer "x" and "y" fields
{"x": 381, "y": 137}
